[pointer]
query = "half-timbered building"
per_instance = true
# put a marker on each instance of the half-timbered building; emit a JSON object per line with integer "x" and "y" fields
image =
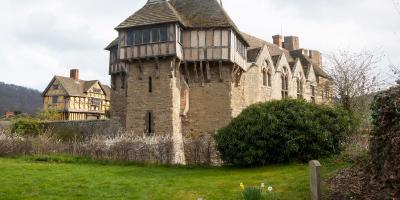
{"x": 76, "y": 99}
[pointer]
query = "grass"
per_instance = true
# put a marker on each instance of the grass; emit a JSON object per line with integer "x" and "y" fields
{"x": 64, "y": 177}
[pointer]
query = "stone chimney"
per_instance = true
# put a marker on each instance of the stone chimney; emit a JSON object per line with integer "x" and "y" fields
{"x": 315, "y": 57}
{"x": 291, "y": 43}
{"x": 74, "y": 74}
{"x": 278, "y": 40}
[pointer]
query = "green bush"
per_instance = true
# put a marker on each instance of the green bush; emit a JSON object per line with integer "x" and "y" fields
{"x": 282, "y": 131}
{"x": 26, "y": 126}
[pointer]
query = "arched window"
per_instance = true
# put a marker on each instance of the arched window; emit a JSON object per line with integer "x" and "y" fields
{"x": 313, "y": 94}
{"x": 285, "y": 83}
{"x": 299, "y": 87}
{"x": 269, "y": 77}
{"x": 265, "y": 77}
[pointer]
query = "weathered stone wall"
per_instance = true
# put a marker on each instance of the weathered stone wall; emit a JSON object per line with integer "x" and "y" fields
{"x": 88, "y": 128}
{"x": 160, "y": 102}
{"x": 209, "y": 104}
{"x": 118, "y": 99}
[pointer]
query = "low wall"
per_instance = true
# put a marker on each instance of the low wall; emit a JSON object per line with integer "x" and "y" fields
{"x": 88, "y": 128}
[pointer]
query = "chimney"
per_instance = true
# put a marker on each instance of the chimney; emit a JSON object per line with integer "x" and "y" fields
{"x": 316, "y": 57}
{"x": 74, "y": 74}
{"x": 291, "y": 43}
{"x": 278, "y": 40}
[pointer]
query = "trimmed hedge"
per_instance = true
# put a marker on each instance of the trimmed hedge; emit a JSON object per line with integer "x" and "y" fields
{"x": 282, "y": 131}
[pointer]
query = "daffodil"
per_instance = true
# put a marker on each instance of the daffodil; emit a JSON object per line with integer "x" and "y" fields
{"x": 242, "y": 186}
{"x": 262, "y": 185}
{"x": 270, "y": 189}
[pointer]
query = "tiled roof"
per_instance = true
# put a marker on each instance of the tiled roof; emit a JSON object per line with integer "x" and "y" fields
{"x": 190, "y": 13}
{"x": 252, "y": 54}
{"x": 78, "y": 88}
{"x": 152, "y": 13}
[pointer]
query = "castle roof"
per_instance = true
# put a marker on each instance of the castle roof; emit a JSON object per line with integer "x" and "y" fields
{"x": 189, "y": 13}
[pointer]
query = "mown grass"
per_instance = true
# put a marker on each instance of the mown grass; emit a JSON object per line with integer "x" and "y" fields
{"x": 65, "y": 177}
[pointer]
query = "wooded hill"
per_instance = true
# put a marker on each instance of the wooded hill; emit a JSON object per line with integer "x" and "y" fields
{"x": 16, "y": 98}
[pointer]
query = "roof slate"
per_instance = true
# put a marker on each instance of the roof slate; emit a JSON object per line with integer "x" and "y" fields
{"x": 151, "y": 13}
{"x": 252, "y": 54}
{"x": 80, "y": 87}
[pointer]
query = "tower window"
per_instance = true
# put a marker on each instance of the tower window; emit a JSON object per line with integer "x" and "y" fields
{"x": 150, "y": 85}
{"x": 149, "y": 122}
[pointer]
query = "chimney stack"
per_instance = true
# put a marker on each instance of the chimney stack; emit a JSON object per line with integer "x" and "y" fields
{"x": 74, "y": 74}
{"x": 278, "y": 40}
{"x": 291, "y": 43}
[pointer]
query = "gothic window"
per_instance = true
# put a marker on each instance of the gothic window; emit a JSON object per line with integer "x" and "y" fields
{"x": 285, "y": 84}
{"x": 269, "y": 77}
{"x": 299, "y": 88}
{"x": 313, "y": 94}
{"x": 265, "y": 77}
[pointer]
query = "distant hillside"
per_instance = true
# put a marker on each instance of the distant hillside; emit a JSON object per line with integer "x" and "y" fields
{"x": 17, "y": 98}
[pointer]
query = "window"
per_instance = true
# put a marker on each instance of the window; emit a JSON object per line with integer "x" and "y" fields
{"x": 155, "y": 35}
{"x": 285, "y": 84}
{"x": 313, "y": 93}
{"x": 149, "y": 119}
{"x": 150, "y": 85}
{"x": 299, "y": 88}
{"x": 55, "y": 99}
{"x": 138, "y": 37}
{"x": 265, "y": 78}
{"x": 240, "y": 48}
{"x": 163, "y": 34}
{"x": 146, "y": 36}
{"x": 129, "y": 38}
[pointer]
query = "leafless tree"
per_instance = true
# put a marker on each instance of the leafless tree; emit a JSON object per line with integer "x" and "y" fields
{"x": 353, "y": 75}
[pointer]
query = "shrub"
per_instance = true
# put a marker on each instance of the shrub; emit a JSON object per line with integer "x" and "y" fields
{"x": 26, "y": 126}
{"x": 281, "y": 131}
{"x": 385, "y": 141}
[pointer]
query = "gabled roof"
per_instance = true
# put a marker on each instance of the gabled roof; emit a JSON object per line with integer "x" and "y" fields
{"x": 253, "y": 54}
{"x": 77, "y": 88}
{"x": 152, "y": 13}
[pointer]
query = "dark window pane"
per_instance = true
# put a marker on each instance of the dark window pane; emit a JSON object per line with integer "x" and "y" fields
{"x": 129, "y": 38}
{"x": 138, "y": 37}
{"x": 146, "y": 36}
{"x": 154, "y": 35}
{"x": 55, "y": 99}
{"x": 163, "y": 34}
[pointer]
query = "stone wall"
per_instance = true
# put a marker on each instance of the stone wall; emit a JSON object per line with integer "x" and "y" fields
{"x": 209, "y": 105}
{"x": 88, "y": 128}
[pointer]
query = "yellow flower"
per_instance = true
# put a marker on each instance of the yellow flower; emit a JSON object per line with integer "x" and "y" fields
{"x": 242, "y": 186}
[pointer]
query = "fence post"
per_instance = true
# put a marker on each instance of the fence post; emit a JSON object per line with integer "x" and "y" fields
{"x": 315, "y": 179}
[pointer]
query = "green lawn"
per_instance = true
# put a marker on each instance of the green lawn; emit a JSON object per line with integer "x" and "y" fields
{"x": 23, "y": 178}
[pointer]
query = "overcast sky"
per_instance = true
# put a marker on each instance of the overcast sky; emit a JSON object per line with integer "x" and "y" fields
{"x": 43, "y": 38}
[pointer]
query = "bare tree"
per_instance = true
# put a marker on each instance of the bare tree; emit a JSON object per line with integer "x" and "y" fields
{"x": 353, "y": 75}
{"x": 396, "y": 71}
